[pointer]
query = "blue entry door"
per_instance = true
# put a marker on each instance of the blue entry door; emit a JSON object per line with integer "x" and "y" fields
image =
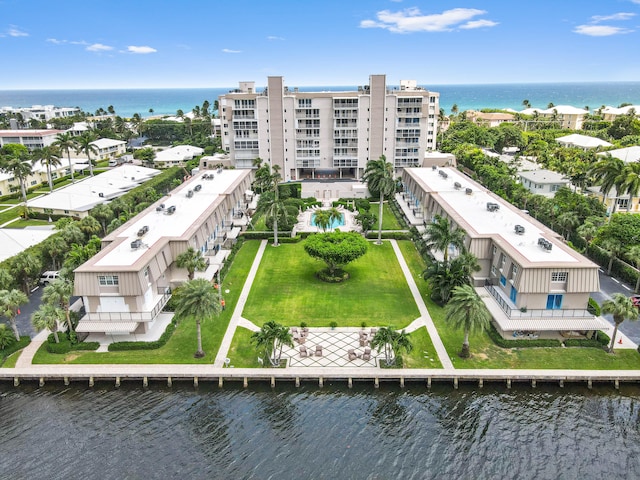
{"x": 554, "y": 302}
{"x": 513, "y": 295}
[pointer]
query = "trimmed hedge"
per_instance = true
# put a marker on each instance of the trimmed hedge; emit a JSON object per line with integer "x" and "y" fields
{"x": 269, "y": 236}
{"x": 601, "y": 342}
{"x": 164, "y": 338}
{"x": 396, "y": 235}
{"x": 593, "y": 308}
{"x": 501, "y": 342}
{"x": 66, "y": 346}
{"x": 14, "y": 347}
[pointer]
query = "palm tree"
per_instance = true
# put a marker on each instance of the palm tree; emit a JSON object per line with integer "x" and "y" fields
{"x": 10, "y": 303}
{"x": 15, "y": 161}
{"x": 441, "y": 235}
{"x": 322, "y": 219}
{"x": 197, "y": 299}
{"x": 622, "y": 308}
{"x": 89, "y": 226}
{"x": 6, "y": 337}
{"x": 379, "y": 178}
{"x": 192, "y": 260}
{"x": 587, "y": 231}
{"x": 634, "y": 255}
{"x": 334, "y": 215}
{"x": 392, "y": 342}
{"x": 271, "y": 338}
{"x": 467, "y": 311}
{"x": 50, "y": 157}
{"x": 274, "y": 206}
{"x": 526, "y": 103}
{"x": 55, "y": 247}
{"x": 630, "y": 178}
{"x": 444, "y": 277}
{"x": 614, "y": 247}
{"x": 65, "y": 142}
{"x": 103, "y": 213}
{"x": 47, "y": 316}
{"x": 58, "y": 294}
{"x": 568, "y": 221}
{"x": 608, "y": 172}
{"x": 86, "y": 146}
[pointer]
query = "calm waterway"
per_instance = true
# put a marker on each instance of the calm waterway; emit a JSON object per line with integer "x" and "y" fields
{"x": 331, "y": 433}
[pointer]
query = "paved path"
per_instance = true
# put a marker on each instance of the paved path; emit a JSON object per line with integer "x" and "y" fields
{"x": 237, "y": 312}
{"x": 26, "y": 357}
{"x": 424, "y": 313}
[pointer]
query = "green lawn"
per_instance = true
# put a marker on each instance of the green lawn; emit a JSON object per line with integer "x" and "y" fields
{"x": 28, "y": 223}
{"x": 10, "y": 214}
{"x": 486, "y": 354}
{"x": 423, "y": 354}
{"x": 389, "y": 220}
{"x": 182, "y": 345}
{"x": 242, "y": 352}
{"x": 10, "y": 361}
{"x": 287, "y": 291}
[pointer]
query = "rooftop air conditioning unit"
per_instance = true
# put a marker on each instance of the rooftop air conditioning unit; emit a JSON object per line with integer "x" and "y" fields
{"x": 468, "y": 191}
{"x": 101, "y": 195}
{"x": 434, "y": 168}
{"x": 143, "y": 230}
{"x": 492, "y": 207}
{"x": 171, "y": 210}
{"x": 197, "y": 188}
{"x": 443, "y": 174}
{"x": 190, "y": 194}
{"x": 519, "y": 229}
{"x": 160, "y": 207}
{"x": 457, "y": 185}
{"x": 136, "y": 244}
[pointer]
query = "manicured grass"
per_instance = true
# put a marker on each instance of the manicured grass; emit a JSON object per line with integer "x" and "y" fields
{"x": 259, "y": 224}
{"x": 389, "y": 220}
{"x": 486, "y": 354}
{"x": 28, "y": 223}
{"x": 182, "y": 345}
{"x": 423, "y": 354}
{"x": 286, "y": 290}
{"x": 10, "y": 361}
{"x": 10, "y": 214}
{"x": 243, "y": 353}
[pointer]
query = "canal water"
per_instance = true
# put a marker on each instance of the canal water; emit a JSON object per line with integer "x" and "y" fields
{"x": 330, "y": 433}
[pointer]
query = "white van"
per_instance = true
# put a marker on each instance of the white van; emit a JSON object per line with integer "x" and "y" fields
{"x": 48, "y": 277}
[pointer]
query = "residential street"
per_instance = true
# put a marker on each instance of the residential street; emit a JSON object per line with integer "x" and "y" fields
{"x": 609, "y": 286}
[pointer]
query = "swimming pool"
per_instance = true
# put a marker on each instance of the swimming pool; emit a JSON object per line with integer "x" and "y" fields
{"x": 335, "y": 223}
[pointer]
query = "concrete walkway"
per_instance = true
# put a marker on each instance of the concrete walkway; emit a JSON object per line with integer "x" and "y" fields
{"x": 26, "y": 357}
{"x": 237, "y": 312}
{"x": 425, "y": 318}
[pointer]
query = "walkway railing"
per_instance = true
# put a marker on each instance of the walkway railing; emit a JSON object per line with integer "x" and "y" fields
{"x": 534, "y": 313}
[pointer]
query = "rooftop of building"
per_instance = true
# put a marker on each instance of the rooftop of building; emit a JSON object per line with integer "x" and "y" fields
{"x": 627, "y": 154}
{"x": 470, "y": 211}
{"x": 582, "y": 141}
{"x": 29, "y": 133}
{"x": 543, "y": 176}
{"x": 162, "y": 225}
{"x": 107, "y": 142}
{"x": 180, "y": 152}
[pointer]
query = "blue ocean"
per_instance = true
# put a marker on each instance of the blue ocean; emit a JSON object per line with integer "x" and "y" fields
{"x": 126, "y": 102}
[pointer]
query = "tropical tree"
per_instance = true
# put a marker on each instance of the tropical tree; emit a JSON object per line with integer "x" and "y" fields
{"x": 366, "y": 220}
{"x": 55, "y": 247}
{"x": 322, "y": 219}
{"x": 14, "y": 160}
{"x": 103, "y": 214}
{"x": 614, "y": 248}
{"x": 630, "y": 181}
{"x": 335, "y": 249}
{"x": 270, "y": 340}
{"x": 568, "y": 221}
{"x": 587, "y": 231}
{"x": 621, "y": 308}
{"x": 197, "y": 299}
{"x": 6, "y": 280}
{"x": 65, "y": 143}
{"x": 25, "y": 269}
{"x": 392, "y": 343}
{"x": 6, "y": 337}
{"x": 440, "y": 235}
{"x": 467, "y": 311}
{"x": 192, "y": 260}
{"x": 84, "y": 144}
{"x": 58, "y": 294}
{"x": 50, "y": 157}
{"x": 443, "y": 277}
{"x": 634, "y": 255}
{"x": 379, "y": 178}
{"x": 526, "y": 103}
{"x": 48, "y": 316}
{"x": 89, "y": 226}
{"x": 608, "y": 172}
{"x": 275, "y": 207}
{"x": 10, "y": 303}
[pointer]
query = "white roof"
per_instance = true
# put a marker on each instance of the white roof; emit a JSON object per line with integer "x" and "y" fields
{"x": 179, "y": 153}
{"x": 162, "y": 226}
{"x": 621, "y": 110}
{"x": 500, "y": 224}
{"x": 543, "y": 176}
{"x": 551, "y": 324}
{"x": 106, "y": 327}
{"x": 628, "y": 154}
{"x": 85, "y": 194}
{"x": 16, "y": 240}
{"x": 565, "y": 110}
{"x": 582, "y": 141}
{"x": 107, "y": 142}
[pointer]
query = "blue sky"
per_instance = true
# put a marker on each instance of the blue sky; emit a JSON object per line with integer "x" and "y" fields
{"x": 214, "y": 43}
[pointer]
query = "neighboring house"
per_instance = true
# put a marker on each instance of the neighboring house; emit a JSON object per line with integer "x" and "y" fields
{"x": 78, "y": 129}
{"x": 75, "y": 200}
{"x": 126, "y": 285}
{"x": 584, "y": 142}
{"x": 529, "y": 279}
{"x": 176, "y": 155}
{"x": 543, "y": 182}
{"x": 567, "y": 116}
{"x": 627, "y": 154}
{"x": 312, "y": 135}
{"x": 42, "y": 112}
{"x": 490, "y": 119}
{"x": 8, "y": 184}
{"x": 32, "y": 139}
{"x": 108, "y": 148}
{"x": 17, "y": 240}
{"x": 438, "y": 159}
{"x": 615, "y": 202}
{"x": 609, "y": 114}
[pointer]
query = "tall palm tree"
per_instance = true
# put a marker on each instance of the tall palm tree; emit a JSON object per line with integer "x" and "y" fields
{"x": 15, "y": 161}
{"x": 444, "y": 277}
{"x": 275, "y": 207}
{"x": 50, "y": 157}
{"x": 58, "y": 294}
{"x": 441, "y": 235}
{"x": 271, "y": 339}
{"x": 630, "y": 181}
{"x": 48, "y": 316}
{"x": 615, "y": 248}
{"x": 197, "y": 299}
{"x": 634, "y": 255}
{"x": 392, "y": 342}
{"x": 608, "y": 172}
{"x": 334, "y": 215}
{"x": 10, "y": 303}
{"x": 379, "y": 178}
{"x": 65, "y": 142}
{"x": 467, "y": 311}
{"x": 192, "y": 260}
{"x": 86, "y": 146}
{"x": 622, "y": 308}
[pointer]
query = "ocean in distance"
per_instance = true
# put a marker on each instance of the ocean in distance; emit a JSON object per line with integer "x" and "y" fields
{"x": 467, "y": 97}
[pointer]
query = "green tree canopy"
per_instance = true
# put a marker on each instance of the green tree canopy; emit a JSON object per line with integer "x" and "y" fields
{"x": 336, "y": 249}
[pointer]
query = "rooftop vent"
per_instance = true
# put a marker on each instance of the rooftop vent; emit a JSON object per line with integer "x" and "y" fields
{"x": 457, "y": 185}
{"x": 443, "y": 174}
{"x": 101, "y": 195}
{"x": 519, "y": 229}
{"x": 143, "y": 231}
{"x": 197, "y": 188}
{"x": 190, "y": 194}
{"x": 545, "y": 244}
{"x": 434, "y": 168}
{"x": 492, "y": 207}
{"x": 468, "y": 191}
{"x": 171, "y": 210}
{"x": 136, "y": 244}
{"x": 160, "y": 207}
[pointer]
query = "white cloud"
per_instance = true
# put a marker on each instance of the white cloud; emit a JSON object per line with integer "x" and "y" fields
{"x": 273, "y": 37}
{"x": 412, "y": 20}
{"x": 600, "y": 30}
{"x": 55, "y": 41}
{"x": 478, "y": 24}
{"x": 142, "y": 49}
{"x": 615, "y": 16}
{"x": 98, "y": 47}
{"x": 228, "y": 50}
{"x": 14, "y": 31}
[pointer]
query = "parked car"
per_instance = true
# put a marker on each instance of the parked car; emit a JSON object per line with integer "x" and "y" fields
{"x": 48, "y": 277}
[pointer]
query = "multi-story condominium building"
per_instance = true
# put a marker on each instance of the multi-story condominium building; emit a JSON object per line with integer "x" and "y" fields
{"x": 108, "y": 148}
{"x": 32, "y": 139}
{"x": 328, "y": 134}
{"x": 529, "y": 279}
{"x": 41, "y": 112}
{"x": 126, "y": 285}
{"x": 565, "y": 116}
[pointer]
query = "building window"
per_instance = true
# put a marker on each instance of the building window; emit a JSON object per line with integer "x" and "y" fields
{"x": 494, "y": 250}
{"x": 493, "y": 270}
{"x": 108, "y": 280}
{"x": 503, "y": 260}
{"x": 503, "y": 280}
{"x": 559, "y": 277}
{"x": 514, "y": 270}
{"x": 554, "y": 302}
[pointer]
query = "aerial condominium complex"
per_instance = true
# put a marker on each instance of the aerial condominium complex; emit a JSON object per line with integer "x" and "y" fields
{"x": 529, "y": 278}
{"x": 328, "y": 135}
{"x": 126, "y": 285}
